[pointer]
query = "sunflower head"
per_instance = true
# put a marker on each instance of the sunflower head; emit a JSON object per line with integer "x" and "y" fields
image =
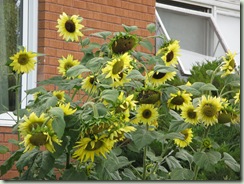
{"x": 148, "y": 96}
{"x": 23, "y": 61}
{"x": 237, "y": 97}
{"x": 90, "y": 84}
{"x": 122, "y": 43}
{"x": 70, "y": 27}
{"x": 65, "y": 64}
{"x": 147, "y": 114}
{"x": 186, "y": 140}
{"x": 159, "y": 78}
{"x": 60, "y": 95}
{"x": 177, "y": 100}
{"x": 228, "y": 64}
{"x": 189, "y": 113}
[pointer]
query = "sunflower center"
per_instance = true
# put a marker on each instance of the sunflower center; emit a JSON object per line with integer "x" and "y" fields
{"x": 92, "y": 80}
{"x": 158, "y": 75}
{"x": 38, "y": 139}
{"x": 191, "y": 114}
{"x": 59, "y": 96}
{"x": 186, "y": 135}
{"x": 178, "y": 100}
{"x": 23, "y": 59}
{"x": 209, "y": 110}
{"x": 147, "y": 113}
{"x": 70, "y": 26}
{"x": 67, "y": 66}
{"x": 97, "y": 145}
{"x": 232, "y": 64}
{"x": 169, "y": 56}
{"x": 118, "y": 66}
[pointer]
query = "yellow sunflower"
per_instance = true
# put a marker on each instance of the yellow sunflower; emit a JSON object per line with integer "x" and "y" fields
{"x": 90, "y": 84}
{"x": 87, "y": 147}
{"x": 118, "y": 64}
{"x": 117, "y": 131}
{"x": 66, "y": 63}
{"x": 38, "y": 139}
{"x": 122, "y": 80}
{"x": 69, "y": 27}
{"x": 208, "y": 110}
{"x": 158, "y": 78}
{"x": 60, "y": 95}
{"x": 229, "y": 64}
{"x": 177, "y": 100}
{"x": 189, "y": 114}
{"x": 147, "y": 114}
{"x": 127, "y": 102}
{"x": 237, "y": 97}
{"x": 67, "y": 109}
{"x": 32, "y": 122}
{"x": 23, "y": 61}
{"x": 187, "y": 139}
{"x": 170, "y": 53}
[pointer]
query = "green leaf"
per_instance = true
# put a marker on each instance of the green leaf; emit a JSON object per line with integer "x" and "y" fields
{"x": 151, "y": 27}
{"x": 46, "y": 164}
{"x": 208, "y": 87}
{"x": 3, "y": 149}
{"x": 129, "y": 174}
{"x": 110, "y": 95}
{"x": 73, "y": 175}
{"x": 85, "y": 42}
{"x": 37, "y": 89}
{"x": 231, "y": 162}
{"x": 129, "y": 28}
{"x": 147, "y": 44}
{"x": 135, "y": 74}
{"x": 95, "y": 63}
{"x": 103, "y": 34}
{"x": 76, "y": 70}
{"x": 178, "y": 126}
{"x": 184, "y": 155}
{"x": 190, "y": 89}
{"x": 90, "y": 48}
{"x": 53, "y": 80}
{"x": 207, "y": 160}
{"x": 164, "y": 69}
{"x": 142, "y": 137}
{"x": 26, "y": 158}
{"x": 181, "y": 174}
{"x": 8, "y": 164}
{"x": 173, "y": 163}
{"x": 58, "y": 122}
{"x": 174, "y": 135}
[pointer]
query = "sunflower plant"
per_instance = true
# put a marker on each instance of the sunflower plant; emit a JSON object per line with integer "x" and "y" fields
{"x": 115, "y": 115}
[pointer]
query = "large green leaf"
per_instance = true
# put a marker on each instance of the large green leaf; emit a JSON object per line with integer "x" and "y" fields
{"x": 58, "y": 121}
{"x": 103, "y": 34}
{"x": 173, "y": 162}
{"x": 181, "y": 174}
{"x": 184, "y": 155}
{"x": 46, "y": 164}
{"x": 73, "y": 175}
{"x": 135, "y": 74}
{"x": 164, "y": 69}
{"x": 151, "y": 27}
{"x": 208, "y": 87}
{"x": 231, "y": 162}
{"x": 26, "y": 158}
{"x": 76, "y": 70}
{"x": 207, "y": 160}
{"x": 129, "y": 28}
{"x": 110, "y": 95}
{"x": 190, "y": 89}
{"x": 8, "y": 164}
{"x": 129, "y": 174}
{"x": 147, "y": 44}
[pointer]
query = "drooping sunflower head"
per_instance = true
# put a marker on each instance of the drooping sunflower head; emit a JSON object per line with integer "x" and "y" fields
{"x": 117, "y": 131}
{"x": 147, "y": 114}
{"x": 188, "y": 134}
{"x": 149, "y": 96}
{"x": 229, "y": 64}
{"x": 170, "y": 51}
{"x": 90, "y": 84}
{"x": 65, "y": 64}
{"x": 60, "y": 95}
{"x": 189, "y": 114}
{"x": 177, "y": 100}
{"x": 122, "y": 43}
{"x": 208, "y": 110}
{"x": 70, "y": 27}
{"x": 23, "y": 61}
{"x": 115, "y": 67}
{"x": 159, "y": 78}
{"x": 89, "y": 147}
{"x": 126, "y": 102}
{"x": 33, "y": 122}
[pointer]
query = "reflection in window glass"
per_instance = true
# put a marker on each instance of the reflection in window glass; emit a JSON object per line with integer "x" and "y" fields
{"x": 10, "y": 34}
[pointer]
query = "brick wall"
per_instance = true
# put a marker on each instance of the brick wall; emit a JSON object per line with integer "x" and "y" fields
{"x": 101, "y": 15}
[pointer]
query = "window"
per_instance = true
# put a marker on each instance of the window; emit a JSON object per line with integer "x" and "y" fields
{"x": 194, "y": 25}
{"x": 18, "y": 26}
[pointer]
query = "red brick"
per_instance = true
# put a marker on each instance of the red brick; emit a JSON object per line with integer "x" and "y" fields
{"x": 10, "y": 136}
{"x": 6, "y": 129}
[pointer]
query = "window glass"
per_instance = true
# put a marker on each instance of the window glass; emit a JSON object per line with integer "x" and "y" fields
{"x": 10, "y": 34}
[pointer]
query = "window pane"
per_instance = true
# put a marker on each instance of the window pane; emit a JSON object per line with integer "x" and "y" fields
{"x": 10, "y": 34}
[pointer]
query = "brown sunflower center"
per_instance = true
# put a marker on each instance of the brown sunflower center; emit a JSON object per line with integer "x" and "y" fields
{"x": 158, "y": 75}
{"x": 147, "y": 114}
{"x": 118, "y": 67}
{"x": 23, "y": 59}
{"x": 38, "y": 139}
{"x": 98, "y": 145}
{"x": 209, "y": 110}
{"x": 191, "y": 114}
{"x": 67, "y": 66}
{"x": 178, "y": 100}
{"x": 169, "y": 56}
{"x": 232, "y": 64}
{"x": 92, "y": 80}
{"x": 70, "y": 26}
{"x": 59, "y": 96}
{"x": 185, "y": 134}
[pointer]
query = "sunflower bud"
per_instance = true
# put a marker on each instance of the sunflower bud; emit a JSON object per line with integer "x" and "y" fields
{"x": 207, "y": 143}
{"x": 224, "y": 118}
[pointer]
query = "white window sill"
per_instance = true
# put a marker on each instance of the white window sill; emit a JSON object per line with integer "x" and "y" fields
{"x": 7, "y": 119}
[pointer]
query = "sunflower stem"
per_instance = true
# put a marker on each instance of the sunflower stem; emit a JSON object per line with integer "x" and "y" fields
{"x": 68, "y": 160}
{"x": 144, "y": 159}
{"x": 18, "y": 83}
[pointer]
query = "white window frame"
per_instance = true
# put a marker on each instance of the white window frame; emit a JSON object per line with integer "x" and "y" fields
{"x": 210, "y": 16}
{"x": 29, "y": 40}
